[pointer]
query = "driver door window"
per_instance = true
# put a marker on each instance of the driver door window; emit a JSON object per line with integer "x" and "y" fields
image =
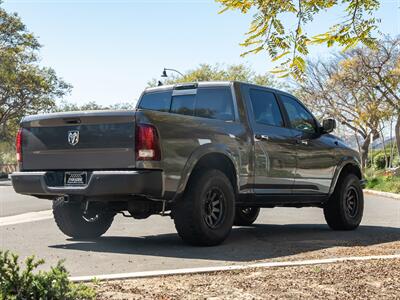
{"x": 299, "y": 117}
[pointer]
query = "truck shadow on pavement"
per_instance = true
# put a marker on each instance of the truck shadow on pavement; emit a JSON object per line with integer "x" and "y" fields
{"x": 255, "y": 242}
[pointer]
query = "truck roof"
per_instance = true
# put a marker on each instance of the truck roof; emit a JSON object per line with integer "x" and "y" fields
{"x": 207, "y": 84}
{"x": 199, "y": 84}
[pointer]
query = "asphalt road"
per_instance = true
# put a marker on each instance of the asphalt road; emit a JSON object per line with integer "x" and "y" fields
{"x": 12, "y": 203}
{"x": 152, "y": 244}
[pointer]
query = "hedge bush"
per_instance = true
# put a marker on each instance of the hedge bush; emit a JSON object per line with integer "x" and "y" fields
{"x": 378, "y": 158}
{"x": 17, "y": 283}
{"x": 379, "y": 161}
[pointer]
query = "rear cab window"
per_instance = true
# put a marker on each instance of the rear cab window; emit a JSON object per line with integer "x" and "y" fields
{"x": 183, "y": 104}
{"x": 158, "y": 101}
{"x": 204, "y": 102}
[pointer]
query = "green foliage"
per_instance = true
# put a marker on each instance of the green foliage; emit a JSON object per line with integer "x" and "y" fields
{"x": 396, "y": 161}
{"x": 91, "y": 105}
{"x": 288, "y": 43}
{"x": 344, "y": 87}
{"x": 17, "y": 283}
{"x": 384, "y": 183}
{"x": 25, "y": 87}
{"x": 68, "y": 106}
{"x": 372, "y": 183}
{"x": 369, "y": 173}
{"x": 206, "y": 72}
{"x": 380, "y": 161}
{"x": 122, "y": 106}
{"x": 7, "y": 153}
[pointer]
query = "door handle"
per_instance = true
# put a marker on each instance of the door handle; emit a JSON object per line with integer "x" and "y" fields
{"x": 262, "y": 137}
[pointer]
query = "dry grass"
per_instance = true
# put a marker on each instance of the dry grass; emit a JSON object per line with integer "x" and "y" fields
{"x": 375, "y": 279}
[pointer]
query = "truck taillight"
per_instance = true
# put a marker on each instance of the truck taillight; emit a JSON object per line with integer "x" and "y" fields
{"x": 18, "y": 145}
{"x": 147, "y": 143}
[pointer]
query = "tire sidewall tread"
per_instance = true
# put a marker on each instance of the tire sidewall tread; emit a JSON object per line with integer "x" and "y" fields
{"x": 68, "y": 218}
{"x": 242, "y": 219}
{"x": 188, "y": 217}
{"x": 335, "y": 211}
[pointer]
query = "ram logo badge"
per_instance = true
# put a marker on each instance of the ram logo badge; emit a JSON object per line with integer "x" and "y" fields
{"x": 73, "y": 137}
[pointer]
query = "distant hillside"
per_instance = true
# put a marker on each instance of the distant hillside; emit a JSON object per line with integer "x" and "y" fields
{"x": 378, "y": 144}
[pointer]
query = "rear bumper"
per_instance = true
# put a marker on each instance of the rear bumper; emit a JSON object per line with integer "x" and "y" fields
{"x": 100, "y": 183}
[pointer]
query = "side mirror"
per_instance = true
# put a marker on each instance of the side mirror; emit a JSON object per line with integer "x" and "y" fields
{"x": 328, "y": 125}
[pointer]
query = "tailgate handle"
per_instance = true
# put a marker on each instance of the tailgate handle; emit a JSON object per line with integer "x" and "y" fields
{"x": 72, "y": 120}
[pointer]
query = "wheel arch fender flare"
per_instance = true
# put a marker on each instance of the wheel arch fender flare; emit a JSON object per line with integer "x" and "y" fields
{"x": 350, "y": 164}
{"x": 201, "y": 153}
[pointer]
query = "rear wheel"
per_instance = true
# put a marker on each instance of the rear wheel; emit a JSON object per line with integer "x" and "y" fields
{"x": 245, "y": 216}
{"x": 72, "y": 222}
{"x": 205, "y": 215}
{"x": 344, "y": 209}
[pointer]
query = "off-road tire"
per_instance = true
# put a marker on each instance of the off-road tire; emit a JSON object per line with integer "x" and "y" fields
{"x": 69, "y": 219}
{"x": 192, "y": 212}
{"x": 340, "y": 212}
{"x": 245, "y": 216}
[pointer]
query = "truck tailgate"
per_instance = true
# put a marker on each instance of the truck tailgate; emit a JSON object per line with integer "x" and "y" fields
{"x": 79, "y": 141}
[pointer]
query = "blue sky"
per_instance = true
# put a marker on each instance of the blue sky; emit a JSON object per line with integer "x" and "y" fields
{"x": 109, "y": 50}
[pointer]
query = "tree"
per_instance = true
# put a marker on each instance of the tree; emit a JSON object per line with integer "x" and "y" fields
{"x": 91, "y": 105}
{"x": 25, "y": 87}
{"x": 380, "y": 68}
{"x": 240, "y": 72}
{"x": 69, "y": 106}
{"x": 288, "y": 42}
{"x": 337, "y": 89}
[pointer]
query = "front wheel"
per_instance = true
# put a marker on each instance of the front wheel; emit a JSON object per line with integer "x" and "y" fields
{"x": 245, "y": 216}
{"x": 205, "y": 215}
{"x": 72, "y": 222}
{"x": 344, "y": 209}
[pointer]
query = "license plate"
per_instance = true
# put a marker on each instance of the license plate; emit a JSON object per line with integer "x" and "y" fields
{"x": 75, "y": 178}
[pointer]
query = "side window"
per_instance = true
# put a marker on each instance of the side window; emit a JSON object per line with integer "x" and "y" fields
{"x": 183, "y": 104}
{"x": 299, "y": 117}
{"x": 265, "y": 108}
{"x": 214, "y": 103}
{"x": 160, "y": 101}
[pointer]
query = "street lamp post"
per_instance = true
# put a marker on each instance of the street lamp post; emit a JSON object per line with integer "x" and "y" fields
{"x": 164, "y": 73}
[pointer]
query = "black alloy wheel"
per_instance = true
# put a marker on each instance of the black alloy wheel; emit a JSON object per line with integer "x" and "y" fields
{"x": 214, "y": 207}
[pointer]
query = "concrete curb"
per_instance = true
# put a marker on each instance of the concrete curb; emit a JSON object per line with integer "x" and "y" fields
{"x": 144, "y": 274}
{"x": 383, "y": 194}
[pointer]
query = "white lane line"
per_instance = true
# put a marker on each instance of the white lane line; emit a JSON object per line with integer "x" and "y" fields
{"x": 229, "y": 268}
{"x": 27, "y": 217}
